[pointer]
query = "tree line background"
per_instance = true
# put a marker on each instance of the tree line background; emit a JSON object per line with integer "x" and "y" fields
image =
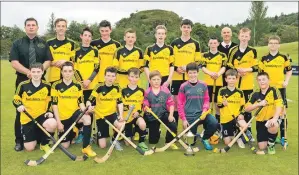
{"x": 144, "y": 22}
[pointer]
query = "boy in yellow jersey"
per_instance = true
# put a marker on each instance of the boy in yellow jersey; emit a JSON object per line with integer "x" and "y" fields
{"x": 126, "y": 57}
{"x": 275, "y": 63}
{"x": 185, "y": 50}
{"x": 61, "y": 49}
{"x": 159, "y": 56}
{"x": 213, "y": 65}
{"x": 133, "y": 94}
{"x": 106, "y": 100}
{"x": 106, "y": 48}
{"x": 34, "y": 97}
{"x": 67, "y": 104}
{"x": 243, "y": 58}
{"x": 86, "y": 63}
{"x": 267, "y": 121}
{"x": 231, "y": 101}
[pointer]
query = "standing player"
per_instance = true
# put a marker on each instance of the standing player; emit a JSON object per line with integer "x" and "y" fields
{"x": 107, "y": 99}
{"x": 186, "y": 50}
{"x": 61, "y": 49}
{"x": 159, "y": 99}
{"x": 193, "y": 100}
{"x": 231, "y": 101}
{"x": 133, "y": 94}
{"x": 275, "y": 63}
{"x": 267, "y": 121}
{"x": 106, "y": 48}
{"x": 126, "y": 57}
{"x": 67, "y": 104}
{"x": 213, "y": 65}
{"x": 243, "y": 58}
{"x": 159, "y": 56}
{"x": 34, "y": 97}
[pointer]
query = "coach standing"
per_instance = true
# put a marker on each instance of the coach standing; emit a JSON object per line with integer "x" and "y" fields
{"x": 25, "y": 52}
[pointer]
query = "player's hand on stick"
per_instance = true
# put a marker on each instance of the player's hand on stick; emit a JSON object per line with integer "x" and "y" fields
{"x": 262, "y": 103}
{"x": 21, "y": 108}
{"x": 285, "y": 84}
{"x": 135, "y": 114}
{"x": 185, "y": 124}
{"x": 171, "y": 118}
{"x": 60, "y": 126}
{"x": 49, "y": 115}
{"x": 86, "y": 83}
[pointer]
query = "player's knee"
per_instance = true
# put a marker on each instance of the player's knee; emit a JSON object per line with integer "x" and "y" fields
{"x": 29, "y": 146}
{"x": 226, "y": 140}
{"x": 66, "y": 145}
{"x": 86, "y": 120}
{"x": 141, "y": 124}
{"x": 50, "y": 125}
{"x": 273, "y": 129}
{"x": 102, "y": 143}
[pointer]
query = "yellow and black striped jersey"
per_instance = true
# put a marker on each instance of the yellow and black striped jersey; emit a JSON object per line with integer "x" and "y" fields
{"x": 247, "y": 59}
{"x": 275, "y": 66}
{"x": 86, "y": 63}
{"x": 159, "y": 58}
{"x": 213, "y": 62}
{"x": 184, "y": 53}
{"x": 106, "y": 52}
{"x": 60, "y": 50}
{"x": 36, "y": 100}
{"x": 66, "y": 97}
{"x": 235, "y": 100}
{"x": 132, "y": 97}
{"x": 273, "y": 98}
{"x": 106, "y": 99}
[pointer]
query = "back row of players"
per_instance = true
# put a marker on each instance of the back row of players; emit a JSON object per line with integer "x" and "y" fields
{"x": 91, "y": 65}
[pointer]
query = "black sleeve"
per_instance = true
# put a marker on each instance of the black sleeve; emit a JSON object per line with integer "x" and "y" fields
{"x": 14, "y": 53}
{"x": 48, "y": 56}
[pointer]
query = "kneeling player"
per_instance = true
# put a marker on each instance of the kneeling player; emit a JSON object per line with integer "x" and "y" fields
{"x": 193, "y": 100}
{"x": 107, "y": 96}
{"x": 267, "y": 122}
{"x": 34, "y": 97}
{"x": 133, "y": 94}
{"x": 68, "y": 104}
{"x": 231, "y": 100}
{"x": 159, "y": 99}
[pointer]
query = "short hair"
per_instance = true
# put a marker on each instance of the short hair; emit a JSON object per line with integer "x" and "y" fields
{"x": 30, "y": 19}
{"x": 87, "y": 29}
{"x": 244, "y": 30}
{"x": 129, "y": 30}
{"x": 231, "y": 72}
{"x": 105, "y": 23}
{"x": 262, "y": 74}
{"x": 192, "y": 66}
{"x": 214, "y": 38}
{"x": 58, "y": 20}
{"x": 37, "y": 65}
{"x": 187, "y": 22}
{"x": 154, "y": 73}
{"x": 161, "y": 27}
{"x": 134, "y": 70}
{"x": 67, "y": 63}
{"x": 274, "y": 37}
{"x": 111, "y": 69}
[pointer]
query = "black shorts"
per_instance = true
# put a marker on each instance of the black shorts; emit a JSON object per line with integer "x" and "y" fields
{"x": 103, "y": 127}
{"x": 261, "y": 131}
{"x": 129, "y": 127}
{"x": 31, "y": 131}
{"x": 284, "y": 96}
{"x": 67, "y": 124}
{"x": 86, "y": 94}
{"x": 210, "y": 89}
{"x": 229, "y": 128}
{"x": 175, "y": 86}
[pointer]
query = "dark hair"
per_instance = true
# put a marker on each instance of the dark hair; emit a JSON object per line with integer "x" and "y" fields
{"x": 37, "y": 65}
{"x": 87, "y": 29}
{"x": 105, "y": 23}
{"x": 134, "y": 70}
{"x": 111, "y": 69}
{"x": 58, "y": 20}
{"x": 262, "y": 74}
{"x": 231, "y": 72}
{"x": 67, "y": 63}
{"x": 154, "y": 73}
{"x": 30, "y": 19}
{"x": 191, "y": 66}
{"x": 214, "y": 38}
{"x": 187, "y": 22}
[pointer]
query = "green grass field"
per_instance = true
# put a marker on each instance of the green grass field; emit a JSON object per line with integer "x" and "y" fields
{"x": 237, "y": 161}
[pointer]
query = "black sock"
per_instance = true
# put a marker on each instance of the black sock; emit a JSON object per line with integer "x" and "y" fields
{"x": 114, "y": 135}
{"x": 86, "y": 134}
{"x": 271, "y": 139}
{"x": 45, "y": 139}
{"x": 282, "y": 128}
{"x": 142, "y": 135}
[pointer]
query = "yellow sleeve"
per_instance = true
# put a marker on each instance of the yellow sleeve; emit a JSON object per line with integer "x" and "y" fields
{"x": 147, "y": 54}
{"x": 54, "y": 94}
